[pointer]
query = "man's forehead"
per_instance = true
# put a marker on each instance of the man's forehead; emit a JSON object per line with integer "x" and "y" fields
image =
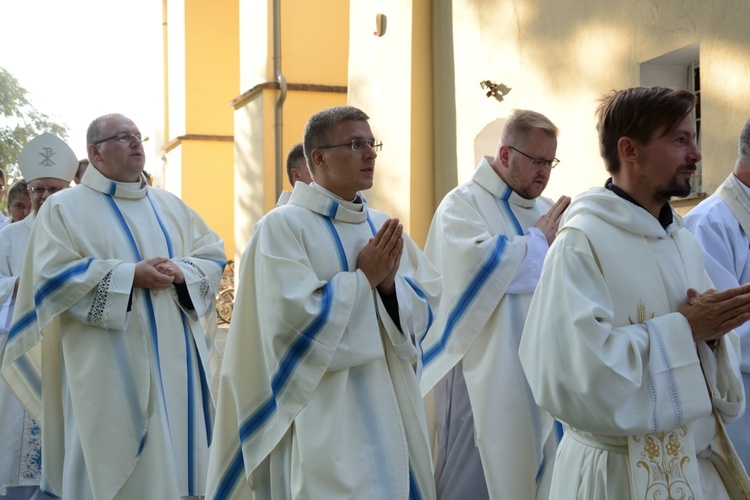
{"x": 46, "y": 181}
{"x": 352, "y": 128}
{"x": 118, "y": 124}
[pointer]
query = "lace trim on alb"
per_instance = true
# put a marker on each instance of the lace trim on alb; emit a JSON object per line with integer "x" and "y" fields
{"x": 97, "y": 314}
{"x": 204, "y": 288}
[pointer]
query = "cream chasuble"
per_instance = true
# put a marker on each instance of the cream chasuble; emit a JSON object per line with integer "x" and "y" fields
{"x": 123, "y": 392}
{"x": 606, "y": 352}
{"x": 318, "y": 395}
{"x": 721, "y": 223}
{"x": 20, "y": 435}
{"x": 478, "y": 240}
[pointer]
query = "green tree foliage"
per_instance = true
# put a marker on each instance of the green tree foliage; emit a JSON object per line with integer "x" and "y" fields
{"x": 20, "y": 122}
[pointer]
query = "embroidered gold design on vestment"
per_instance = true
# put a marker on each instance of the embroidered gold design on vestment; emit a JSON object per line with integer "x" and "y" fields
{"x": 664, "y": 459}
{"x": 640, "y": 314}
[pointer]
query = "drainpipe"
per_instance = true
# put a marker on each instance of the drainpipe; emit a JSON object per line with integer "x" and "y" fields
{"x": 278, "y": 125}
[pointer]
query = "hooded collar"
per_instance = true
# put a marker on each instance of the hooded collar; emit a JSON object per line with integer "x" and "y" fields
{"x": 98, "y": 182}
{"x": 603, "y": 203}
{"x": 486, "y": 177}
{"x": 665, "y": 214}
{"x": 325, "y": 203}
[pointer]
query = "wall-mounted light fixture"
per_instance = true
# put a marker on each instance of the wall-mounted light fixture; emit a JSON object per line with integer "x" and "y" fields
{"x": 496, "y": 90}
{"x": 381, "y": 22}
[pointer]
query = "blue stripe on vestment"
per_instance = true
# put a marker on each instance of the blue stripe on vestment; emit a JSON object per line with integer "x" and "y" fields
{"x": 189, "y": 343}
{"x": 420, "y": 293}
{"x": 332, "y": 210}
{"x": 231, "y": 477}
{"x": 372, "y": 226}
{"x": 506, "y": 204}
{"x": 413, "y": 488}
{"x": 170, "y": 248}
{"x": 468, "y": 296}
{"x": 30, "y": 374}
{"x": 56, "y": 282}
{"x": 288, "y": 363}
{"x": 190, "y": 409}
{"x": 147, "y": 298}
{"x": 22, "y": 323}
{"x": 337, "y": 241}
{"x": 47, "y": 289}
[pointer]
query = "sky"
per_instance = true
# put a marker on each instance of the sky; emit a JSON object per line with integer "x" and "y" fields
{"x": 80, "y": 59}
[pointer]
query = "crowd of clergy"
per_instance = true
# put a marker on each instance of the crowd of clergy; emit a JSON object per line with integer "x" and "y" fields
{"x": 591, "y": 348}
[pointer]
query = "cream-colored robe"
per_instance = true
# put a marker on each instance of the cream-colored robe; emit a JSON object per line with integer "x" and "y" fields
{"x": 20, "y": 435}
{"x": 318, "y": 396}
{"x": 605, "y": 351}
{"x": 480, "y": 240}
{"x": 123, "y": 395}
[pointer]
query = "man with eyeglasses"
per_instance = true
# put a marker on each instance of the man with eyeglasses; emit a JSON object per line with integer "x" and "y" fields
{"x": 319, "y": 397}
{"x": 488, "y": 238}
{"x": 625, "y": 340}
{"x": 45, "y": 162}
{"x": 112, "y": 337}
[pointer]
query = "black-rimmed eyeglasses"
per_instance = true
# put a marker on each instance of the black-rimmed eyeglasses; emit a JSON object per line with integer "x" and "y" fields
{"x": 123, "y": 138}
{"x": 538, "y": 162}
{"x": 358, "y": 145}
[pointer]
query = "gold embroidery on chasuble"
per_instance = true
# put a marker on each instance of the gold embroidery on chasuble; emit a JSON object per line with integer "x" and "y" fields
{"x": 663, "y": 458}
{"x": 640, "y": 314}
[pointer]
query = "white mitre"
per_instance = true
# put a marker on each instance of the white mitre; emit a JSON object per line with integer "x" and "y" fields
{"x": 47, "y": 156}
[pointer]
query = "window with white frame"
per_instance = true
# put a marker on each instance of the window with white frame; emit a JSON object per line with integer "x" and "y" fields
{"x": 679, "y": 69}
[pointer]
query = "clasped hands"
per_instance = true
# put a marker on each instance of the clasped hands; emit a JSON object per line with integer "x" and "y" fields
{"x": 712, "y": 314}
{"x": 157, "y": 273}
{"x": 380, "y": 258}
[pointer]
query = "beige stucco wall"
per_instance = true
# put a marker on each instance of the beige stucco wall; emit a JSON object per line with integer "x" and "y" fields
{"x": 560, "y": 57}
{"x": 390, "y": 78}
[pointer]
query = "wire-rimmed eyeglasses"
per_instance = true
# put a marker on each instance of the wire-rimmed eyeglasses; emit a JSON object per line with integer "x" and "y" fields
{"x": 538, "y": 162}
{"x": 123, "y": 138}
{"x": 358, "y": 145}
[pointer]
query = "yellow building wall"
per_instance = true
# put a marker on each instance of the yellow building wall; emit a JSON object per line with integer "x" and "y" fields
{"x": 202, "y": 61}
{"x": 314, "y": 51}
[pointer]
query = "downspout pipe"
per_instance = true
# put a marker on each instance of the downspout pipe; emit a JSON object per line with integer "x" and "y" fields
{"x": 278, "y": 122}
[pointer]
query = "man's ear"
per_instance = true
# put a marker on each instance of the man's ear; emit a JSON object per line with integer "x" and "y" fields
{"x": 318, "y": 158}
{"x": 627, "y": 148}
{"x": 503, "y": 154}
{"x": 93, "y": 152}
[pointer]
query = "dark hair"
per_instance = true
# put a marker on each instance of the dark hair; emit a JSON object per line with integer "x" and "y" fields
{"x": 743, "y": 148}
{"x": 295, "y": 154}
{"x": 316, "y": 130}
{"x": 638, "y": 113}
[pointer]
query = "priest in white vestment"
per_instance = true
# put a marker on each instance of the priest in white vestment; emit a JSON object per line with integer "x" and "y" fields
{"x": 624, "y": 341}
{"x": 488, "y": 239}
{"x": 47, "y": 164}
{"x": 296, "y": 170}
{"x": 4, "y": 220}
{"x": 319, "y": 394}
{"x": 111, "y": 343}
{"x": 721, "y": 223}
